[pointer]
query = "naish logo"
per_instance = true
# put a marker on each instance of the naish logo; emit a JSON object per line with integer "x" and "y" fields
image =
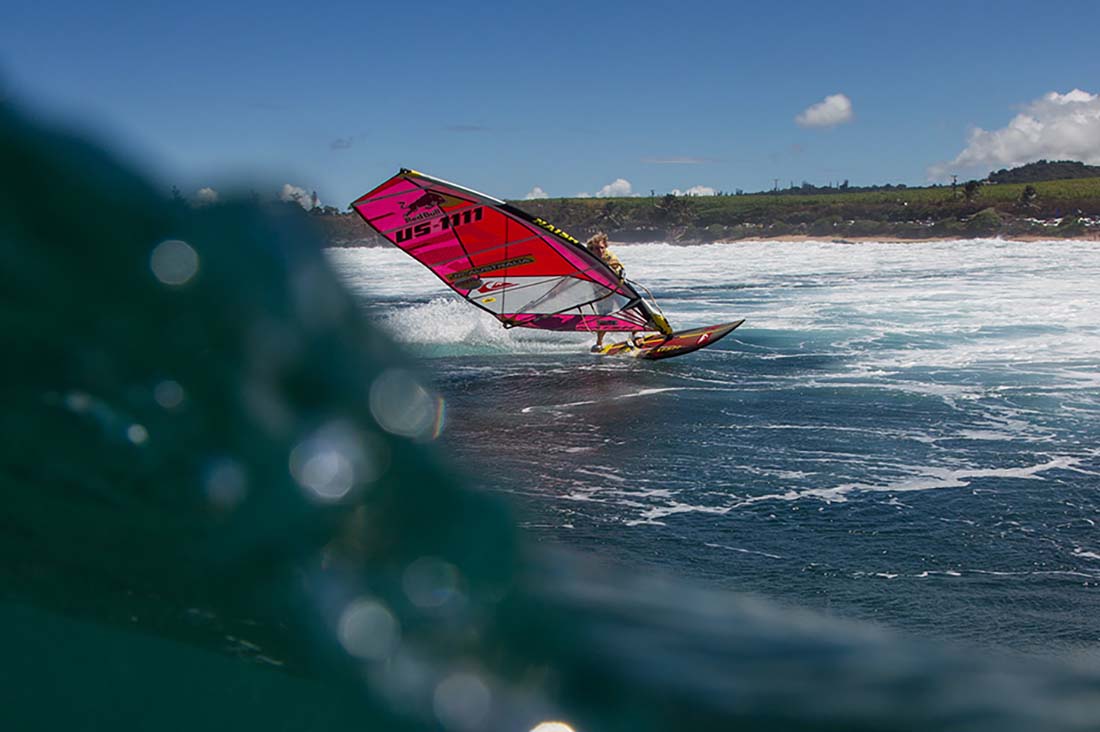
{"x": 555, "y": 230}
{"x": 467, "y": 274}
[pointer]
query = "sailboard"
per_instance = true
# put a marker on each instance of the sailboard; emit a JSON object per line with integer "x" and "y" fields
{"x": 657, "y": 346}
{"x": 523, "y": 270}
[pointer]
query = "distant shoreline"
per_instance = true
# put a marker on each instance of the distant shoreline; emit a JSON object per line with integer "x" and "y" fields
{"x": 1057, "y": 200}
{"x": 1092, "y": 236}
{"x": 1029, "y": 238}
{"x": 350, "y": 231}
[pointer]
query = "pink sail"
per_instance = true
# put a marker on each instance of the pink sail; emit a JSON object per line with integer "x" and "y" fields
{"x": 525, "y": 271}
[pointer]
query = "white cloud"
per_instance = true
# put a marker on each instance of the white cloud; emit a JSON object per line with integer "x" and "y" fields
{"x": 300, "y": 196}
{"x": 695, "y": 191}
{"x": 1053, "y": 127}
{"x": 206, "y": 196}
{"x": 536, "y": 192}
{"x": 619, "y": 188}
{"x": 835, "y": 109}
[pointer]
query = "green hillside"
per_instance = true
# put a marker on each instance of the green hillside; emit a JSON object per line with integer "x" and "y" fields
{"x": 1048, "y": 208}
{"x": 1045, "y": 170}
{"x": 964, "y": 210}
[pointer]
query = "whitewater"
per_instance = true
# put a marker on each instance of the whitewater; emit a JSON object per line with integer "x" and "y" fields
{"x": 901, "y": 433}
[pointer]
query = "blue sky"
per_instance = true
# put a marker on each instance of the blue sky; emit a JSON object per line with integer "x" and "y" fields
{"x": 518, "y": 99}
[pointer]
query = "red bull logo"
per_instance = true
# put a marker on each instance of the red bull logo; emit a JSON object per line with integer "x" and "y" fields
{"x": 426, "y": 201}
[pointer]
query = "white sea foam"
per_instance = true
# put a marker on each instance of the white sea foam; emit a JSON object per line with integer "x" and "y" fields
{"x": 383, "y": 272}
{"x": 921, "y": 478}
{"x": 966, "y": 572}
{"x": 975, "y": 297}
{"x": 448, "y": 321}
{"x": 914, "y": 478}
{"x": 742, "y": 550}
{"x": 604, "y": 473}
{"x": 586, "y": 402}
{"x": 883, "y": 307}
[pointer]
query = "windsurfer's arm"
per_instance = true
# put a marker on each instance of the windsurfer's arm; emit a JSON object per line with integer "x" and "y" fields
{"x": 615, "y": 265}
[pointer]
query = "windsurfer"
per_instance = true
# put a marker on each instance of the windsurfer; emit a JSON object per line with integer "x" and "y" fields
{"x": 598, "y": 246}
{"x": 535, "y": 274}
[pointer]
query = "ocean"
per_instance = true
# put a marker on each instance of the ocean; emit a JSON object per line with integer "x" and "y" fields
{"x": 901, "y": 434}
{"x": 230, "y": 502}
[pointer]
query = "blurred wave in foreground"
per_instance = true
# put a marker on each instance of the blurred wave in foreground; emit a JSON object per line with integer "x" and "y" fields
{"x": 222, "y": 507}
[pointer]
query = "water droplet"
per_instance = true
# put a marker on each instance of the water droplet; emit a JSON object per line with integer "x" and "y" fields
{"x": 552, "y": 726}
{"x": 225, "y": 483}
{"x": 368, "y": 630}
{"x": 168, "y": 394}
{"x": 328, "y": 473}
{"x": 431, "y": 583}
{"x": 336, "y": 459}
{"x": 402, "y": 406}
{"x": 462, "y": 701}
{"x": 78, "y": 401}
{"x": 137, "y": 434}
{"x": 174, "y": 262}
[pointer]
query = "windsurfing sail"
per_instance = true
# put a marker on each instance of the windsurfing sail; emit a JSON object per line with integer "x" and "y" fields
{"x": 522, "y": 269}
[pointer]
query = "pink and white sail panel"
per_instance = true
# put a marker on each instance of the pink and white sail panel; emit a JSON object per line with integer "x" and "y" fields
{"x": 523, "y": 270}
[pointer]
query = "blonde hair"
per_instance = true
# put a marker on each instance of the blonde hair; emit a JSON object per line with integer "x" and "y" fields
{"x": 596, "y": 239}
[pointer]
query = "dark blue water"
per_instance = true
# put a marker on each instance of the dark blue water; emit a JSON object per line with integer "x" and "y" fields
{"x": 903, "y": 434}
{"x": 220, "y": 510}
